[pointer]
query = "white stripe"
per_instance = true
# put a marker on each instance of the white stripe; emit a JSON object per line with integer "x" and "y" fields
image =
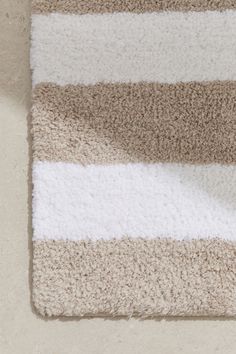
{"x": 166, "y": 47}
{"x": 73, "y": 202}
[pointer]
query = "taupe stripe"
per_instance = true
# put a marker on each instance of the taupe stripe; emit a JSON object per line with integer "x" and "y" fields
{"x": 103, "y": 6}
{"x": 135, "y": 277}
{"x": 111, "y": 123}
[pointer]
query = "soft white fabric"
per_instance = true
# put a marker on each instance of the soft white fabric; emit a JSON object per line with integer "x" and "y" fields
{"x": 167, "y": 47}
{"x": 74, "y": 202}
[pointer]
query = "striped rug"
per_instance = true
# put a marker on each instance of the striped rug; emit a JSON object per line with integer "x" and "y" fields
{"x": 134, "y": 157}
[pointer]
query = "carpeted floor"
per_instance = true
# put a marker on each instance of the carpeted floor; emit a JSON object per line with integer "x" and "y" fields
{"x": 21, "y": 330}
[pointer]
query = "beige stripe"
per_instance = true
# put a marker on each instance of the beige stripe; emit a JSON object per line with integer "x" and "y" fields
{"x": 119, "y": 123}
{"x": 102, "y": 6}
{"x": 135, "y": 277}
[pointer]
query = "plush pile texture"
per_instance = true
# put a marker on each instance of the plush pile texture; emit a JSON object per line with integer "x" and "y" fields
{"x": 134, "y": 157}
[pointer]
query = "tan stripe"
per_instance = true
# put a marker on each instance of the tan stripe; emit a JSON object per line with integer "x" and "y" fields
{"x": 111, "y": 123}
{"x": 135, "y": 277}
{"x": 101, "y": 6}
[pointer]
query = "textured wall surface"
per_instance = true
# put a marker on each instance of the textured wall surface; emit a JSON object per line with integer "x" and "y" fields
{"x": 21, "y": 330}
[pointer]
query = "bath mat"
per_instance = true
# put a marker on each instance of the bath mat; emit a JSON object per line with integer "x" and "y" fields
{"x": 134, "y": 152}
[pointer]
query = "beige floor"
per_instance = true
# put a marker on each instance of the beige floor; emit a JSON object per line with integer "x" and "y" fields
{"x": 21, "y": 331}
